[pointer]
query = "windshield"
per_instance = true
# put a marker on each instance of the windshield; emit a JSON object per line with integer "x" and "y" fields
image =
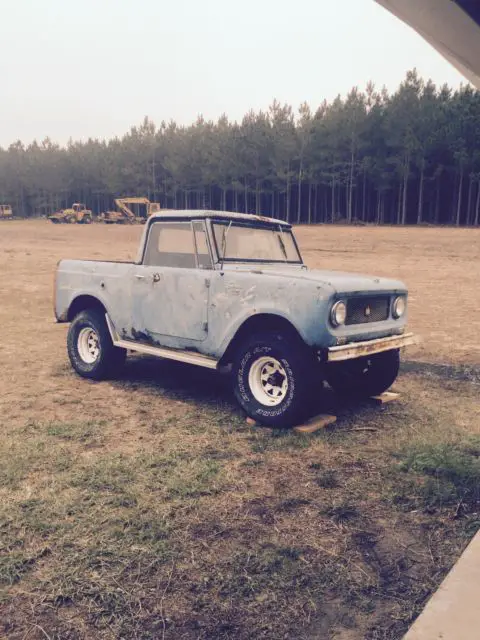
{"x": 244, "y": 243}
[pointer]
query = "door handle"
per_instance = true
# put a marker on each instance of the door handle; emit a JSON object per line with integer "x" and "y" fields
{"x": 139, "y": 277}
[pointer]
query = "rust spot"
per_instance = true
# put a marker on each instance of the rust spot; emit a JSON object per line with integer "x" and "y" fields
{"x": 360, "y": 349}
{"x": 143, "y": 336}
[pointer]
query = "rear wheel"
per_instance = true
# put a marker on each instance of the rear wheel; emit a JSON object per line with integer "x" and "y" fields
{"x": 272, "y": 377}
{"x": 364, "y": 377}
{"x": 90, "y": 347}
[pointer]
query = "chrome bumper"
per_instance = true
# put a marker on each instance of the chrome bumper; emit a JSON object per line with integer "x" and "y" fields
{"x": 366, "y": 348}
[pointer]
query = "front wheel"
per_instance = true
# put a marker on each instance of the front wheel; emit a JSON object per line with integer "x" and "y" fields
{"x": 90, "y": 347}
{"x": 272, "y": 378}
{"x": 364, "y": 377}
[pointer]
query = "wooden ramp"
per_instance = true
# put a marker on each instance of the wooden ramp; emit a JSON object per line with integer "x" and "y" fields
{"x": 310, "y": 426}
{"x": 323, "y": 420}
{"x": 315, "y": 424}
{"x": 384, "y": 398}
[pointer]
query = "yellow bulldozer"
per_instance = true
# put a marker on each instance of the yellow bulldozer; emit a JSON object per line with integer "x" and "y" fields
{"x": 77, "y": 214}
{"x": 6, "y": 212}
{"x": 125, "y": 214}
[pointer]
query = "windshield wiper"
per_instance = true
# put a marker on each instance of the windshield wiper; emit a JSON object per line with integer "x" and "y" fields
{"x": 282, "y": 244}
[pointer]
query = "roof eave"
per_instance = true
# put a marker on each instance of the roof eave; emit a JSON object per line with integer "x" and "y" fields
{"x": 192, "y": 214}
{"x": 447, "y": 27}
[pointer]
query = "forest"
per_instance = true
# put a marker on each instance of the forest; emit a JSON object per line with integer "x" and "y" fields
{"x": 412, "y": 157}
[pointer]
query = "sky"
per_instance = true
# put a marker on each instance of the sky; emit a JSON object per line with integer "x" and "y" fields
{"x": 93, "y": 68}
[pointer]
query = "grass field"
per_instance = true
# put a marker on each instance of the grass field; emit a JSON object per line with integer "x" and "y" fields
{"x": 147, "y": 508}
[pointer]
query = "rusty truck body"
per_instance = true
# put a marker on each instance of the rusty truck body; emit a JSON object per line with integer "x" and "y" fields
{"x": 231, "y": 292}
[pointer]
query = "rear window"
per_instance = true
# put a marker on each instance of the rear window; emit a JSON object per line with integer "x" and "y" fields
{"x": 170, "y": 244}
{"x": 177, "y": 244}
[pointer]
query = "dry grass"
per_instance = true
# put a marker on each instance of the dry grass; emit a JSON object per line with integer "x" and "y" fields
{"x": 147, "y": 508}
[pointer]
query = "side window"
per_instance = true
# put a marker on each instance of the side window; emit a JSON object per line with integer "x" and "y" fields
{"x": 170, "y": 244}
{"x": 203, "y": 254}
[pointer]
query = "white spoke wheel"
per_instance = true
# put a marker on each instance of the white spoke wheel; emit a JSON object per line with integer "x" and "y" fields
{"x": 273, "y": 376}
{"x": 88, "y": 345}
{"x": 268, "y": 381}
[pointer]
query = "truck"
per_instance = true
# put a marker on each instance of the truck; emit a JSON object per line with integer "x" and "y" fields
{"x": 131, "y": 211}
{"x": 230, "y": 292}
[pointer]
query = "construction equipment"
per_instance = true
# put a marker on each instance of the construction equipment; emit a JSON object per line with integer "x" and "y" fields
{"x": 142, "y": 210}
{"x": 77, "y": 214}
{"x": 6, "y": 212}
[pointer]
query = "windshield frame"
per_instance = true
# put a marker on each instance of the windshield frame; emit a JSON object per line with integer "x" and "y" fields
{"x": 279, "y": 228}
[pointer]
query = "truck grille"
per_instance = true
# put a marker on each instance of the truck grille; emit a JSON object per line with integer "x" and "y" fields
{"x": 366, "y": 309}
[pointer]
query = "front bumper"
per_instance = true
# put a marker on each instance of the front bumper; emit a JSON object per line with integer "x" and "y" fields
{"x": 369, "y": 347}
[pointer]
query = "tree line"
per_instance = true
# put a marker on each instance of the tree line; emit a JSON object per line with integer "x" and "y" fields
{"x": 412, "y": 157}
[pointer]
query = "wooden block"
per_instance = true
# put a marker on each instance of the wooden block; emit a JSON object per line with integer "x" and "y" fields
{"x": 315, "y": 424}
{"x": 385, "y": 397}
{"x": 251, "y": 422}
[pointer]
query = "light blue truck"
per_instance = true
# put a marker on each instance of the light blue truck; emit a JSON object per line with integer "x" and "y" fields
{"x": 230, "y": 291}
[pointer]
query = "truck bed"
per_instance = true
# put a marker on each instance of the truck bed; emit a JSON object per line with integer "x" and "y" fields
{"x": 106, "y": 280}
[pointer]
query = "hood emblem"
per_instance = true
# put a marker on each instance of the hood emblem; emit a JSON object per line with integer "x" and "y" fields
{"x": 368, "y": 311}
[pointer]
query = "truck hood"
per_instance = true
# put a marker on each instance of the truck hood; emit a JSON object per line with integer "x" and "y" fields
{"x": 337, "y": 281}
{"x": 344, "y": 282}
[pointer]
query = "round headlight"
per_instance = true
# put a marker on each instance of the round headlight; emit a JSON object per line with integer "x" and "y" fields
{"x": 399, "y": 307}
{"x": 338, "y": 314}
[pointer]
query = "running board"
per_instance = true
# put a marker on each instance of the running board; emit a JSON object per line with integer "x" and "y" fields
{"x": 161, "y": 352}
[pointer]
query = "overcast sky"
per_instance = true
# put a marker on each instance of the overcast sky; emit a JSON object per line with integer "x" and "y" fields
{"x": 80, "y": 68}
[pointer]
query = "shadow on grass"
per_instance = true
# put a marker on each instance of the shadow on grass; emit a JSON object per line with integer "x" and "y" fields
{"x": 213, "y": 391}
{"x": 467, "y": 373}
{"x": 176, "y": 380}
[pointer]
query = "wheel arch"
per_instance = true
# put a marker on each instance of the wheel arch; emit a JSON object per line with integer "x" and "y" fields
{"x": 256, "y": 324}
{"x": 82, "y": 303}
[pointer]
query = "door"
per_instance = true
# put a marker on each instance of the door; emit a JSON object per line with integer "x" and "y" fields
{"x": 171, "y": 287}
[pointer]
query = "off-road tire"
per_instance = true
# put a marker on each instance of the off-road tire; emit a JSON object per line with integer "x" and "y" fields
{"x": 110, "y": 359}
{"x": 364, "y": 377}
{"x": 297, "y": 363}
